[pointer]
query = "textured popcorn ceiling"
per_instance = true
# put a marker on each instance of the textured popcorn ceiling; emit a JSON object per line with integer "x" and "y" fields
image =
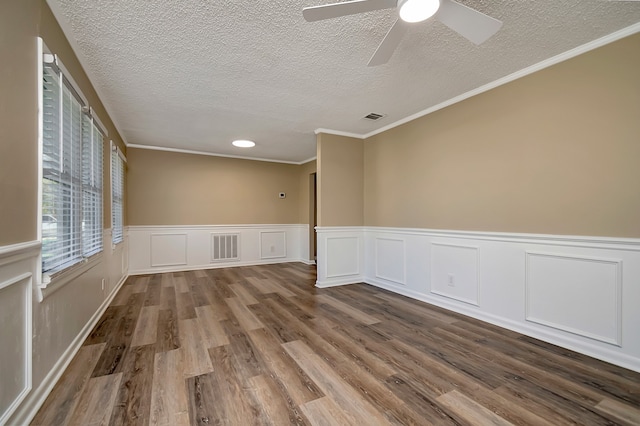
{"x": 196, "y": 74}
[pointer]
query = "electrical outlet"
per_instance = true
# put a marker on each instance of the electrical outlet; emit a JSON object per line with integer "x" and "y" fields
{"x": 103, "y": 282}
{"x": 273, "y": 249}
{"x": 451, "y": 280}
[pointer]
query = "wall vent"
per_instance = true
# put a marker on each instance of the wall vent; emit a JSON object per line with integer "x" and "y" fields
{"x": 374, "y": 116}
{"x": 225, "y": 247}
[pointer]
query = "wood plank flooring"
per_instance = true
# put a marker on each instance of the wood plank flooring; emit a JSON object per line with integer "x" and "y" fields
{"x": 261, "y": 345}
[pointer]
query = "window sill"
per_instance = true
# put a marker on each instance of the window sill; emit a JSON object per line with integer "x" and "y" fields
{"x": 45, "y": 289}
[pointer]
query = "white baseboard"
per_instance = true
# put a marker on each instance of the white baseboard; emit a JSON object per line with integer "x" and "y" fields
{"x": 335, "y": 282}
{"x": 30, "y": 406}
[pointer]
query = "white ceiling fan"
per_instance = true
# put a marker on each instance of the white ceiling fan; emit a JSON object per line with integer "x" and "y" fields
{"x": 471, "y": 24}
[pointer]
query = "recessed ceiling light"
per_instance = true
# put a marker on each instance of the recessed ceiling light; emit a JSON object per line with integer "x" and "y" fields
{"x": 243, "y": 144}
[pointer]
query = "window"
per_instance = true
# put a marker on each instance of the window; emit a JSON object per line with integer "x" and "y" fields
{"x": 117, "y": 194}
{"x": 72, "y": 151}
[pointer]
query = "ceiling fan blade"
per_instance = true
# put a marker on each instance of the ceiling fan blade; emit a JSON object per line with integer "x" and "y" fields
{"x": 389, "y": 44}
{"x": 469, "y": 23}
{"x": 335, "y": 10}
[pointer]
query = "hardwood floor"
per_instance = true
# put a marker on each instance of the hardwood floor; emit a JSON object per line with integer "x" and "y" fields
{"x": 261, "y": 345}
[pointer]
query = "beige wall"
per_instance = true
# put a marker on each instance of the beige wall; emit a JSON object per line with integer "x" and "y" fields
{"x": 340, "y": 180}
{"x": 556, "y": 152}
{"x": 56, "y": 41}
{"x": 18, "y": 120}
{"x": 167, "y": 188}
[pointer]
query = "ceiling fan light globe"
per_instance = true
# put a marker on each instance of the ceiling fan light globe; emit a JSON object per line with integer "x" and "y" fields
{"x": 417, "y": 10}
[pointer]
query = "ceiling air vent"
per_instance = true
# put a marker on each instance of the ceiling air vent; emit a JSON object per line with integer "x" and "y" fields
{"x": 374, "y": 116}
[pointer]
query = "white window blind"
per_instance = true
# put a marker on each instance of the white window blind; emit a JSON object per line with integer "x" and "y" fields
{"x": 92, "y": 189}
{"x": 71, "y": 176}
{"x": 117, "y": 195}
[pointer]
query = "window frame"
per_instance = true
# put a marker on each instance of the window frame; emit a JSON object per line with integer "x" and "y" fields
{"x": 76, "y": 265}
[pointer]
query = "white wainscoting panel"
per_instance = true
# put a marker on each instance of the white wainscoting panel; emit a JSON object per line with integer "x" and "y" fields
{"x": 340, "y": 256}
{"x": 116, "y": 260}
{"x": 581, "y": 295}
{"x": 194, "y": 249}
{"x": 454, "y": 272}
{"x": 390, "y": 259}
{"x": 505, "y": 279}
{"x": 124, "y": 255}
{"x": 15, "y": 335}
{"x": 273, "y": 244}
{"x": 168, "y": 249}
{"x": 17, "y": 268}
